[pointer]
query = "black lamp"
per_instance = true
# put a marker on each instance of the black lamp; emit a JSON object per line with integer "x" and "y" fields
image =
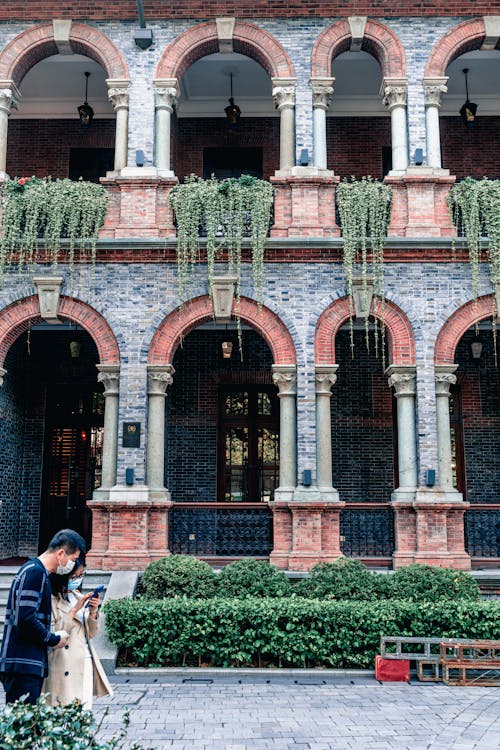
{"x": 85, "y": 111}
{"x": 233, "y": 112}
{"x": 468, "y": 109}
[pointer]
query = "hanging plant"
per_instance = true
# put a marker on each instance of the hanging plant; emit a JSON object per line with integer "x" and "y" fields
{"x": 36, "y": 208}
{"x": 364, "y": 209}
{"x": 229, "y": 211}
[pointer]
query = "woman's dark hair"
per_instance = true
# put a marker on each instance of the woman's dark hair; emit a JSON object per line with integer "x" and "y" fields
{"x": 59, "y": 584}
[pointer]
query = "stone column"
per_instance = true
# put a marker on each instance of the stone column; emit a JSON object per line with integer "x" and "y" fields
{"x": 402, "y": 378}
{"x": 434, "y": 88}
{"x": 285, "y": 377}
{"x": 9, "y": 97}
{"x": 322, "y": 89}
{"x": 118, "y": 94}
{"x": 444, "y": 378}
{"x": 283, "y": 93}
{"x": 394, "y": 92}
{"x": 159, "y": 378}
{"x": 109, "y": 375}
{"x": 166, "y": 96}
{"x": 325, "y": 378}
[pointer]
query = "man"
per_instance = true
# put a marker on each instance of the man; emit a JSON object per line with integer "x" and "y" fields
{"x": 27, "y": 636}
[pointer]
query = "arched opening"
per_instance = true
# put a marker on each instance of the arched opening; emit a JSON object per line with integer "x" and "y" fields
{"x": 52, "y": 418}
{"x": 222, "y": 443}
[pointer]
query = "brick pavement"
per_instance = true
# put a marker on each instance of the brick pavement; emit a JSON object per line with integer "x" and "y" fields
{"x": 280, "y": 714}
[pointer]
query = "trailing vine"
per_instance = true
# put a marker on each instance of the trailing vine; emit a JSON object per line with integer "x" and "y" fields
{"x": 36, "y": 208}
{"x": 229, "y": 211}
{"x": 364, "y": 209}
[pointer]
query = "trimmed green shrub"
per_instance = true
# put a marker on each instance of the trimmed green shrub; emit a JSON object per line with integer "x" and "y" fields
{"x": 287, "y": 632}
{"x": 427, "y": 582}
{"x": 343, "y": 579}
{"x": 42, "y": 727}
{"x": 178, "y": 575}
{"x": 252, "y": 578}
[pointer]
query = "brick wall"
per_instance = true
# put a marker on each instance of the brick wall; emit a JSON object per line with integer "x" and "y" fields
{"x": 192, "y": 402}
{"x": 196, "y": 134}
{"x": 471, "y": 152}
{"x": 362, "y": 427}
{"x": 127, "y": 9}
{"x": 42, "y": 147}
{"x": 354, "y": 145}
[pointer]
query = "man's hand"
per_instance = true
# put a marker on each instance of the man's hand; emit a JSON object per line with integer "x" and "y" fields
{"x": 64, "y": 638}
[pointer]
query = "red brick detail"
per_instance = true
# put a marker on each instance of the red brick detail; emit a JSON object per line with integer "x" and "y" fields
{"x": 17, "y": 317}
{"x": 419, "y": 206}
{"x": 466, "y": 36}
{"x": 458, "y": 323}
{"x": 379, "y": 41}
{"x": 37, "y": 43}
{"x": 138, "y": 208}
{"x": 304, "y": 207}
{"x": 201, "y": 40}
{"x": 282, "y": 535}
{"x": 184, "y": 319}
{"x": 398, "y": 327}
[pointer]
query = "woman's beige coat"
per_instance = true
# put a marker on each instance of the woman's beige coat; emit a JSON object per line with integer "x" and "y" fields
{"x": 65, "y": 680}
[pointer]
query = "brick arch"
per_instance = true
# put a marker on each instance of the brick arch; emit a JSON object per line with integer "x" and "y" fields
{"x": 466, "y": 36}
{"x": 202, "y": 40}
{"x": 379, "y": 40}
{"x": 33, "y": 45}
{"x": 20, "y": 315}
{"x": 400, "y": 339}
{"x": 458, "y": 324}
{"x": 190, "y": 315}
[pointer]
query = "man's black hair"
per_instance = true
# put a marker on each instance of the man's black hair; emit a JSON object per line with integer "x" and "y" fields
{"x": 69, "y": 540}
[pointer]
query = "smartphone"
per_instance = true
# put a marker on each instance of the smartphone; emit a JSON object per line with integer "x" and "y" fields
{"x": 95, "y": 593}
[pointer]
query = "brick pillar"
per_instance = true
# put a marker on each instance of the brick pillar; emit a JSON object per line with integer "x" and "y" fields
{"x": 282, "y": 534}
{"x": 138, "y": 207}
{"x": 419, "y": 203}
{"x": 304, "y": 204}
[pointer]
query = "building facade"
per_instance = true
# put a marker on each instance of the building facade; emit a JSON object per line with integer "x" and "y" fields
{"x": 319, "y": 435}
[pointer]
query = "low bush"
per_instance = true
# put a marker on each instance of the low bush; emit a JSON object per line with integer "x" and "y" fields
{"x": 178, "y": 575}
{"x": 41, "y": 727}
{"x": 343, "y": 579}
{"x": 420, "y": 582}
{"x": 252, "y": 578}
{"x": 287, "y": 632}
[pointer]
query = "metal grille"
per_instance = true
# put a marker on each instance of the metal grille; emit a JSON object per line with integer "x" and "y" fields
{"x": 224, "y": 532}
{"x": 367, "y": 532}
{"x": 482, "y": 533}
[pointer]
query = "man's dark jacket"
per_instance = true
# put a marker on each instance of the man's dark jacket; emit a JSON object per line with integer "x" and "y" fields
{"x": 27, "y": 635}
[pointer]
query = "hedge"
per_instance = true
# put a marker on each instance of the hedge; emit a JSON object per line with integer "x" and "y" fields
{"x": 291, "y": 632}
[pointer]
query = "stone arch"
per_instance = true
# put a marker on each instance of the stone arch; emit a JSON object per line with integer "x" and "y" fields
{"x": 379, "y": 40}
{"x": 401, "y": 340}
{"x": 202, "y": 40}
{"x": 190, "y": 315}
{"x": 17, "y": 318}
{"x": 33, "y": 45}
{"x": 458, "y": 323}
{"x": 466, "y": 36}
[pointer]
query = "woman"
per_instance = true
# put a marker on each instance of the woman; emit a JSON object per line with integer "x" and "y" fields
{"x": 75, "y": 670}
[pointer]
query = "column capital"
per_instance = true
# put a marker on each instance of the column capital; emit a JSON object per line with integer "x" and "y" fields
{"x": 394, "y": 92}
{"x": 110, "y": 376}
{"x": 9, "y": 96}
{"x": 322, "y": 89}
{"x": 118, "y": 92}
{"x": 403, "y": 379}
{"x": 444, "y": 377}
{"x": 283, "y": 93}
{"x": 166, "y": 93}
{"x": 326, "y": 377}
{"x": 159, "y": 378}
{"x": 285, "y": 377}
{"x": 434, "y": 88}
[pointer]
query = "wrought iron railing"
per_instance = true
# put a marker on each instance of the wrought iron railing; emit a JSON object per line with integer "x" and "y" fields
{"x": 367, "y": 531}
{"x": 482, "y": 532}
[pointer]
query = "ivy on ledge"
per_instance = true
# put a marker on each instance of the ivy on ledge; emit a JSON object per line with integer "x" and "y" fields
{"x": 36, "y": 208}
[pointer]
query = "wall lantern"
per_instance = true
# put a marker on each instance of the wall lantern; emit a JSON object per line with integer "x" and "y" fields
{"x": 85, "y": 111}
{"x": 233, "y": 112}
{"x": 476, "y": 348}
{"x": 468, "y": 109}
{"x": 227, "y": 349}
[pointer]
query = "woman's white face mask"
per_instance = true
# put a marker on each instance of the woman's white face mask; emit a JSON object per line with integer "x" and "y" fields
{"x": 65, "y": 569}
